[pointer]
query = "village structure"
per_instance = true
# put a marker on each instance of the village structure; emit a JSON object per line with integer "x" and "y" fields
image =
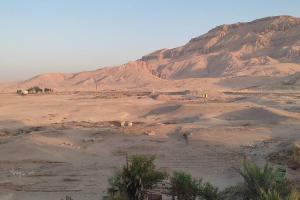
{"x": 35, "y": 90}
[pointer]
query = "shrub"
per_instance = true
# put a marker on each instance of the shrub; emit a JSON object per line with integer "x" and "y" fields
{"x": 270, "y": 195}
{"x": 274, "y": 195}
{"x": 140, "y": 174}
{"x": 293, "y": 196}
{"x": 208, "y": 192}
{"x": 116, "y": 191}
{"x": 137, "y": 176}
{"x": 185, "y": 187}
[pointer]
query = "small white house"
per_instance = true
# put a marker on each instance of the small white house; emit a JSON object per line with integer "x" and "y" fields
{"x": 22, "y": 92}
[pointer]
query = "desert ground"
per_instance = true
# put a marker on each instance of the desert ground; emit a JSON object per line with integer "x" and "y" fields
{"x": 70, "y": 143}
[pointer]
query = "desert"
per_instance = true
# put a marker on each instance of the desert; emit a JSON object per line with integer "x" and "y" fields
{"x": 226, "y": 96}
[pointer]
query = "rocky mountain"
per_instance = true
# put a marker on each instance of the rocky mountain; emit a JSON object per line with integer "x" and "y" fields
{"x": 264, "y": 47}
{"x": 231, "y": 49}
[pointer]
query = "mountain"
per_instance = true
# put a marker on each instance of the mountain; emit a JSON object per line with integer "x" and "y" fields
{"x": 264, "y": 47}
{"x": 132, "y": 74}
{"x": 232, "y": 49}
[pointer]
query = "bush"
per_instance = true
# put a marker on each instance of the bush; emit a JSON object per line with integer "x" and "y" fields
{"x": 270, "y": 195}
{"x": 116, "y": 191}
{"x": 293, "y": 196}
{"x": 209, "y": 192}
{"x": 274, "y": 195}
{"x": 137, "y": 176}
{"x": 140, "y": 174}
{"x": 185, "y": 187}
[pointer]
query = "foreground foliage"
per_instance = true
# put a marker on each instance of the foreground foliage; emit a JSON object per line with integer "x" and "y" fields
{"x": 265, "y": 183}
{"x": 138, "y": 175}
{"x": 184, "y": 187}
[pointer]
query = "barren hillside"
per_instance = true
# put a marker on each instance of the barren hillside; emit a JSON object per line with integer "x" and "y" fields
{"x": 264, "y": 47}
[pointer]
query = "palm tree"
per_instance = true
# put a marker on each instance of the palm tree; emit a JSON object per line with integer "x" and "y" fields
{"x": 266, "y": 183}
{"x": 270, "y": 195}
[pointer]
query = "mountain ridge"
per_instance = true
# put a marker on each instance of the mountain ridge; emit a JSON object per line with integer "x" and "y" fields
{"x": 224, "y": 51}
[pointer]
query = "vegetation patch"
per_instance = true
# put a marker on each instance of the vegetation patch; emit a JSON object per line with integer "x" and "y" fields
{"x": 139, "y": 178}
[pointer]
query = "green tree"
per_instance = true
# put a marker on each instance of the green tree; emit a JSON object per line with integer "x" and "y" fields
{"x": 208, "y": 192}
{"x": 137, "y": 176}
{"x": 264, "y": 183}
{"x": 116, "y": 189}
{"x": 185, "y": 187}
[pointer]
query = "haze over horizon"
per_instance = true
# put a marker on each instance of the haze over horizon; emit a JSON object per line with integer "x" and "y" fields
{"x": 72, "y": 36}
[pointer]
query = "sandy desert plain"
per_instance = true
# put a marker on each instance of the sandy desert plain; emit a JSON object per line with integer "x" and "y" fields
{"x": 71, "y": 141}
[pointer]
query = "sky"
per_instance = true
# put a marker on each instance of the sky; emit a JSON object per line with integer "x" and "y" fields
{"x": 42, "y": 36}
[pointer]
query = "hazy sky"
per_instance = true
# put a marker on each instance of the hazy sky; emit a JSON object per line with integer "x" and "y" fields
{"x": 39, "y": 36}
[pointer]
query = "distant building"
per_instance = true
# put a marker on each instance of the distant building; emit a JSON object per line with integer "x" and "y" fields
{"x": 48, "y": 90}
{"x": 22, "y": 92}
{"x": 35, "y": 90}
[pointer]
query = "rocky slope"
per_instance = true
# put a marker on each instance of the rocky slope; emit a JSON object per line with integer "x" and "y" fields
{"x": 231, "y": 49}
{"x": 264, "y": 47}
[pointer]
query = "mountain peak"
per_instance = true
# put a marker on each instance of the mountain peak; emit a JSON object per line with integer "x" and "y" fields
{"x": 276, "y": 23}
